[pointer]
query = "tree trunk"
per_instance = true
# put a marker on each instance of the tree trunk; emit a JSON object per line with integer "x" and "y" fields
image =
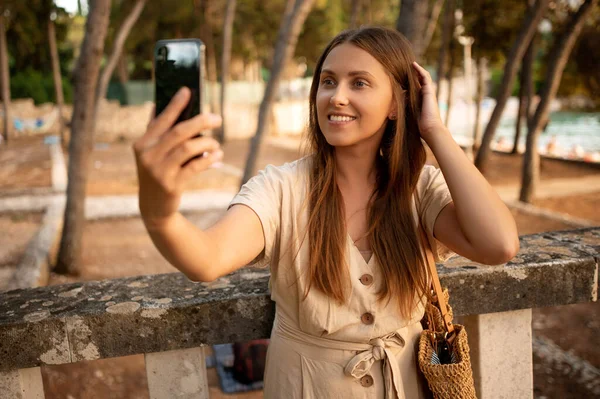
{"x": 4, "y": 78}
{"x": 528, "y": 81}
{"x": 57, "y": 80}
{"x": 557, "y": 60}
{"x": 433, "y": 19}
{"x": 356, "y": 7}
{"x": 293, "y": 19}
{"x": 412, "y": 23}
{"x": 82, "y": 132}
{"x": 117, "y": 49}
{"x": 225, "y": 60}
{"x": 207, "y": 36}
{"x": 447, "y": 29}
{"x": 528, "y": 29}
{"x": 123, "y": 75}
{"x": 525, "y": 88}
{"x": 122, "y": 71}
{"x": 481, "y": 65}
{"x": 522, "y": 112}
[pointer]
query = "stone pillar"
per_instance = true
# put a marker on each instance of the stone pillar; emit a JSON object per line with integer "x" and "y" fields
{"x": 177, "y": 374}
{"x": 22, "y": 384}
{"x": 501, "y": 354}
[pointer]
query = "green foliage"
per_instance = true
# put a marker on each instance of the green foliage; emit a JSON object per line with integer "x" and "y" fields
{"x": 582, "y": 73}
{"x": 39, "y": 86}
{"x": 493, "y": 23}
{"x": 27, "y": 33}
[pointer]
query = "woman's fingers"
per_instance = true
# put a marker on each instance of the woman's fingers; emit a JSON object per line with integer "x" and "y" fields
{"x": 189, "y": 149}
{"x": 152, "y": 116}
{"x": 424, "y": 76}
{"x": 185, "y": 131}
{"x": 163, "y": 122}
{"x": 198, "y": 165}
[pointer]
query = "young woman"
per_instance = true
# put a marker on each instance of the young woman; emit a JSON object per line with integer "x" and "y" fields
{"x": 340, "y": 227}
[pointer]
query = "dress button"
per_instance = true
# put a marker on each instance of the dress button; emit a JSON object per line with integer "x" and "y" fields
{"x": 366, "y": 279}
{"x": 366, "y": 381}
{"x": 367, "y": 318}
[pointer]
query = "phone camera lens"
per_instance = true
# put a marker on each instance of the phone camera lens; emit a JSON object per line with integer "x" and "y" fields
{"x": 162, "y": 53}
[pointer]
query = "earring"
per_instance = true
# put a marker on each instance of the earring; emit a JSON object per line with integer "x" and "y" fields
{"x": 393, "y": 116}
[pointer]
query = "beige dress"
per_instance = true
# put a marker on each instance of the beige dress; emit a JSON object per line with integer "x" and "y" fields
{"x": 318, "y": 348}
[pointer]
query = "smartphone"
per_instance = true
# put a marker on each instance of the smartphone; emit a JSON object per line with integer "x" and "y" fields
{"x": 178, "y": 63}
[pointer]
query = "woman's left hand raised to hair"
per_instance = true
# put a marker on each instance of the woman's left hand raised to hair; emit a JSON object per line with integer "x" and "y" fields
{"x": 430, "y": 122}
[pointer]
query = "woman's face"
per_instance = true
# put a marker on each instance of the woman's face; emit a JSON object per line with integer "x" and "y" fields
{"x": 354, "y": 97}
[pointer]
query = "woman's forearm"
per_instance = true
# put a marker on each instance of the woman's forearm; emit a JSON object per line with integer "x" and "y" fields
{"x": 483, "y": 217}
{"x": 185, "y": 246}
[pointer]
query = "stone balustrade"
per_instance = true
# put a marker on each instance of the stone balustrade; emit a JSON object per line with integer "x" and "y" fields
{"x": 169, "y": 318}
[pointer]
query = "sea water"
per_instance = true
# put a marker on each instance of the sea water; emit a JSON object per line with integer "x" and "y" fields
{"x": 570, "y": 128}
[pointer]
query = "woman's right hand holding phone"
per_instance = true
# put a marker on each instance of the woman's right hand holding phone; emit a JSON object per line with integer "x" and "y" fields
{"x": 162, "y": 156}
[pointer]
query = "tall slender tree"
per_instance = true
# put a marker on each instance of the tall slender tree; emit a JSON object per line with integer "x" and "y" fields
{"x": 116, "y": 52}
{"x": 225, "y": 60}
{"x": 525, "y": 95}
{"x": 204, "y": 11}
{"x": 123, "y": 75}
{"x": 481, "y": 66}
{"x": 525, "y": 89}
{"x": 82, "y": 131}
{"x": 4, "y": 75}
{"x": 412, "y": 23}
{"x": 433, "y": 20}
{"x": 528, "y": 28}
{"x": 447, "y": 30}
{"x": 293, "y": 19}
{"x": 557, "y": 60}
{"x": 56, "y": 75}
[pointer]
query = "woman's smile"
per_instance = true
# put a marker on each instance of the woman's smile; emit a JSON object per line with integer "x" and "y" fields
{"x": 340, "y": 120}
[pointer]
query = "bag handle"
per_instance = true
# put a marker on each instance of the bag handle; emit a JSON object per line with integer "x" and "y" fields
{"x": 435, "y": 282}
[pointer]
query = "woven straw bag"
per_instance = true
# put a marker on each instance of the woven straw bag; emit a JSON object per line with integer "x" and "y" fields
{"x": 443, "y": 348}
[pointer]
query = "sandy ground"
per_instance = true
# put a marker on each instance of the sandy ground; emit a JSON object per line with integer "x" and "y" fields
{"x": 24, "y": 164}
{"x": 121, "y": 247}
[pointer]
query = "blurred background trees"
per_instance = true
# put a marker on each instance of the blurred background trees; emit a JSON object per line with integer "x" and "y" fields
{"x": 540, "y": 48}
{"x": 493, "y": 23}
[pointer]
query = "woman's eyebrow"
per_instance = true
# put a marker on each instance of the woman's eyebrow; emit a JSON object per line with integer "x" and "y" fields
{"x": 351, "y": 73}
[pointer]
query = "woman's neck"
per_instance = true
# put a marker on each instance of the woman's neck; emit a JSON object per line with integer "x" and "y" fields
{"x": 355, "y": 165}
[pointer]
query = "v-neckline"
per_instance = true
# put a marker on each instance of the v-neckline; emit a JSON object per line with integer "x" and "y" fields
{"x": 355, "y": 248}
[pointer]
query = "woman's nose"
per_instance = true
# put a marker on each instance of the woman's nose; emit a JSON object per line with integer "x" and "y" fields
{"x": 338, "y": 97}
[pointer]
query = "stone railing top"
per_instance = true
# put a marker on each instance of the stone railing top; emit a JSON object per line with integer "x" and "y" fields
{"x": 145, "y": 314}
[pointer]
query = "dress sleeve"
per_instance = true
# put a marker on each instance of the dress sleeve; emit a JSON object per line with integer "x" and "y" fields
{"x": 263, "y": 194}
{"x": 432, "y": 196}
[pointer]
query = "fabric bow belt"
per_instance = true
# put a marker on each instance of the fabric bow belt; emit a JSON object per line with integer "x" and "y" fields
{"x": 367, "y": 354}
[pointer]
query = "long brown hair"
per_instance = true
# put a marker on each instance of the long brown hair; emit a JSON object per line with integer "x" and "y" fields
{"x": 392, "y": 233}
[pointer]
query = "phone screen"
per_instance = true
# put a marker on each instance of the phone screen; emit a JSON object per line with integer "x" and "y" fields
{"x": 178, "y": 63}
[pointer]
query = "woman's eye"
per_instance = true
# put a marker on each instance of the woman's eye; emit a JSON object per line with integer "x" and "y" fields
{"x": 360, "y": 83}
{"x": 327, "y": 81}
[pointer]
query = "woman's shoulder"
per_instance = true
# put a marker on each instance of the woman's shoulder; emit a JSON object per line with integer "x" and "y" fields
{"x": 289, "y": 172}
{"x": 428, "y": 170}
{"x": 427, "y": 175}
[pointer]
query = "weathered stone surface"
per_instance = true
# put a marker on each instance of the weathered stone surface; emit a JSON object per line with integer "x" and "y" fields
{"x": 156, "y": 313}
{"x": 86, "y": 321}
{"x": 551, "y": 269}
{"x": 177, "y": 374}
